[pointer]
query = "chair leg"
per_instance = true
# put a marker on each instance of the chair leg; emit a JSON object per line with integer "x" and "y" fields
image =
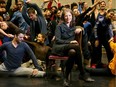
{"x": 49, "y": 68}
{"x": 63, "y": 70}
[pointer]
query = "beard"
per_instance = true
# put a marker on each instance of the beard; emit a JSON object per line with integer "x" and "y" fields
{"x": 40, "y": 42}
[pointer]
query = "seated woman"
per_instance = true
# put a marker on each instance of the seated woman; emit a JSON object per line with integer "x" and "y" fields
{"x": 39, "y": 48}
{"x": 66, "y": 45}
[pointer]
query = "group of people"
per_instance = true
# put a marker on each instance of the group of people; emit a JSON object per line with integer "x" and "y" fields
{"x": 30, "y": 32}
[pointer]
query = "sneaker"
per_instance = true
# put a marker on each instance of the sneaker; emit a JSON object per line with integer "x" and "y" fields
{"x": 86, "y": 78}
{"x": 93, "y": 66}
{"x": 66, "y": 83}
{"x": 40, "y": 74}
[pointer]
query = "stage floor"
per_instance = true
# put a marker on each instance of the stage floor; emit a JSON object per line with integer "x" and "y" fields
{"x": 100, "y": 81}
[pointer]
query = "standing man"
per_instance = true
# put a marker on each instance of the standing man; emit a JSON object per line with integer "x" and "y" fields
{"x": 15, "y": 50}
{"x": 35, "y": 20}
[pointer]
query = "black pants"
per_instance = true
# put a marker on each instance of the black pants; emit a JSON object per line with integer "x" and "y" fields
{"x": 97, "y": 52}
{"x": 99, "y": 71}
{"x": 75, "y": 56}
{"x": 85, "y": 49}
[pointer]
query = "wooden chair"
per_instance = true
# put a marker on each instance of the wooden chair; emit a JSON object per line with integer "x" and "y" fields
{"x": 54, "y": 65}
{"x": 64, "y": 58}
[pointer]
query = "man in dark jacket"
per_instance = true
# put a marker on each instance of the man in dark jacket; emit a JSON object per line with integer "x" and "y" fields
{"x": 36, "y": 21}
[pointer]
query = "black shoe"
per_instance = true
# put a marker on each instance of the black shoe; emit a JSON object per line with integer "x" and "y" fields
{"x": 86, "y": 78}
{"x": 66, "y": 83}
